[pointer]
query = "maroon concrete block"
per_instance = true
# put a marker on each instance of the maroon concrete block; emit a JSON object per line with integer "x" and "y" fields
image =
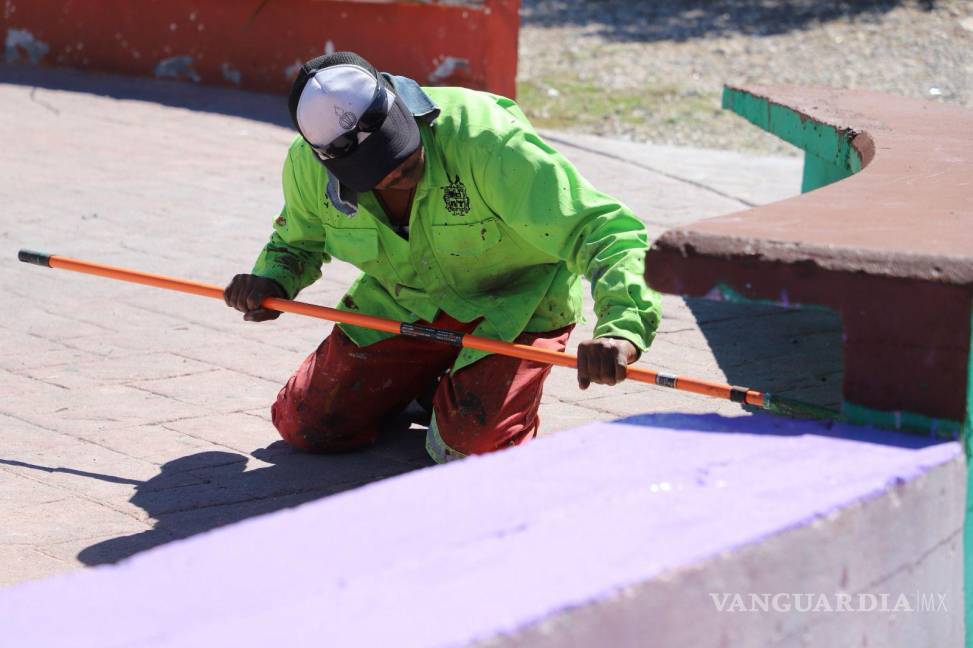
{"x": 889, "y": 248}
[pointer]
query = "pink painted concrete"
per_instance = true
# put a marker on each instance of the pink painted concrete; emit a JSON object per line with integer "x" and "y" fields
{"x": 482, "y": 547}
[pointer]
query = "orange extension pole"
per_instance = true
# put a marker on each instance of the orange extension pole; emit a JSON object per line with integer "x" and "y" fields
{"x": 683, "y": 383}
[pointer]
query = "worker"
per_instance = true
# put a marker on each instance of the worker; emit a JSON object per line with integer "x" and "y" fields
{"x": 460, "y": 217}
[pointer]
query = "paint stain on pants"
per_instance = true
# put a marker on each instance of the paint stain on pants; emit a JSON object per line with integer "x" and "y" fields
{"x": 341, "y": 393}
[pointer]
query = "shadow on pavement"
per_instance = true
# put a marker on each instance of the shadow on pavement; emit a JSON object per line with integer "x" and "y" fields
{"x": 791, "y": 352}
{"x": 112, "y": 479}
{"x": 682, "y": 20}
{"x": 226, "y": 101}
{"x": 203, "y": 491}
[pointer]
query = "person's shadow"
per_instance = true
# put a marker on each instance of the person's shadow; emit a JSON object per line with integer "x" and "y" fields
{"x": 206, "y": 490}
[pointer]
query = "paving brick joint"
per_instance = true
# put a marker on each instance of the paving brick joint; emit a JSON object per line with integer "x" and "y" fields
{"x": 133, "y": 417}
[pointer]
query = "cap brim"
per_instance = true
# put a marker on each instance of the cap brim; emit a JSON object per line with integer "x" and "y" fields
{"x": 380, "y": 153}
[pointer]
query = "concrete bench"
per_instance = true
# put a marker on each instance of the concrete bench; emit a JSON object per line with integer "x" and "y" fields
{"x": 883, "y": 235}
{"x": 665, "y": 530}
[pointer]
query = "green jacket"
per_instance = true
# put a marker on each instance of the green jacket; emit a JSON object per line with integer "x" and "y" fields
{"x": 502, "y": 226}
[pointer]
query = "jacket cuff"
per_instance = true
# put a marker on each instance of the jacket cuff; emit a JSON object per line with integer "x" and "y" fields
{"x": 625, "y": 324}
{"x": 288, "y": 282}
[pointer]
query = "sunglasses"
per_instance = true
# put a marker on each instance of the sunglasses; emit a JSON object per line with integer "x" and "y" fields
{"x": 370, "y": 121}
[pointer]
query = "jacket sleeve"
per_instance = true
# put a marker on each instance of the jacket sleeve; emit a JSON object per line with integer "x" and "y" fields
{"x": 295, "y": 252}
{"x": 543, "y": 198}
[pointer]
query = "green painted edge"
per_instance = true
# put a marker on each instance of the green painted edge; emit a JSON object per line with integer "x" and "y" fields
{"x": 968, "y": 520}
{"x": 723, "y": 292}
{"x": 830, "y": 155}
{"x": 939, "y": 428}
{"x": 819, "y": 173}
{"x": 824, "y": 141}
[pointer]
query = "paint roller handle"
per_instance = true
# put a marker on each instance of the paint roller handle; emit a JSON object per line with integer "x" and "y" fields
{"x": 36, "y": 258}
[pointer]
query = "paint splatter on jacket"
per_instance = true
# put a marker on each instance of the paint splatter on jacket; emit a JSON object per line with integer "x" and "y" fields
{"x": 502, "y": 227}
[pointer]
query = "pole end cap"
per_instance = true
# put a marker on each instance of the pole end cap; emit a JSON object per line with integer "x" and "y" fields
{"x": 37, "y": 258}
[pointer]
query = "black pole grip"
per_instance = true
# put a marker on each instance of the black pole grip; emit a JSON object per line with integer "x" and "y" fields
{"x": 37, "y": 258}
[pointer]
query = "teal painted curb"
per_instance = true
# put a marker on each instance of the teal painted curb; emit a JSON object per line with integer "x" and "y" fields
{"x": 968, "y": 522}
{"x": 818, "y": 173}
{"x": 723, "y": 292}
{"x": 829, "y": 155}
{"x": 945, "y": 429}
{"x": 968, "y": 551}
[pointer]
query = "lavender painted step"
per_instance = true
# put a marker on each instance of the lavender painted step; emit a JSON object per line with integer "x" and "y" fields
{"x": 611, "y": 531}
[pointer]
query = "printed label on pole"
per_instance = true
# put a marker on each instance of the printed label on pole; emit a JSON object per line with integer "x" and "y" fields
{"x": 431, "y": 333}
{"x": 666, "y": 380}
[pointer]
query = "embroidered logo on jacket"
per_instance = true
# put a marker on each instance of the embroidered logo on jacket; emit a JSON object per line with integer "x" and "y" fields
{"x": 455, "y": 197}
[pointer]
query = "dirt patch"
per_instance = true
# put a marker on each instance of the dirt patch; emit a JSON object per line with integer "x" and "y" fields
{"x": 654, "y": 71}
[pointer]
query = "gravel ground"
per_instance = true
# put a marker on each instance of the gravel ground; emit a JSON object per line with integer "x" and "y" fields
{"x": 653, "y": 71}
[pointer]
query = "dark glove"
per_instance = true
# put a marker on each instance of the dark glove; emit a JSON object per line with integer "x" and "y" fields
{"x": 246, "y": 292}
{"x": 603, "y": 360}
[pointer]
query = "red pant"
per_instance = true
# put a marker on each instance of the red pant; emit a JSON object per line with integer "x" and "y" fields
{"x": 338, "y": 397}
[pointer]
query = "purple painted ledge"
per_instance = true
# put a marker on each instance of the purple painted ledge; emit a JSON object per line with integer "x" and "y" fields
{"x": 480, "y": 548}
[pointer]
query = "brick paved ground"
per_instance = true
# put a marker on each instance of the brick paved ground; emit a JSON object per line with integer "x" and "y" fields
{"x": 133, "y": 417}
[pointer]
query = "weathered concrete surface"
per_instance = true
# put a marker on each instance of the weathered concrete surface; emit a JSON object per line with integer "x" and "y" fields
{"x": 259, "y": 46}
{"x": 908, "y": 214}
{"x": 889, "y": 248}
{"x": 613, "y": 534}
{"x": 133, "y": 416}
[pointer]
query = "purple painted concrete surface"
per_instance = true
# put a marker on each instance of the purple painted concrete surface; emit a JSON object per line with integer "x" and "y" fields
{"x": 475, "y": 548}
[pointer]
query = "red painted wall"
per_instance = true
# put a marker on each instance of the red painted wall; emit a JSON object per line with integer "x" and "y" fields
{"x": 255, "y": 44}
